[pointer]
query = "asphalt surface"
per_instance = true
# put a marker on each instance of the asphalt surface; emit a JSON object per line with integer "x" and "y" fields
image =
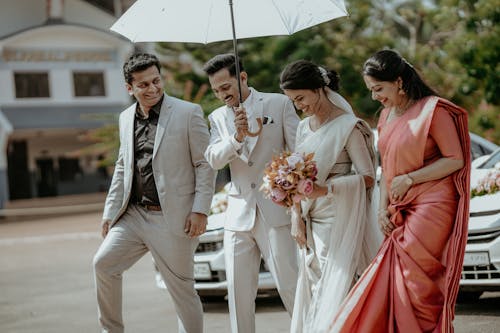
{"x": 46, "y": 286}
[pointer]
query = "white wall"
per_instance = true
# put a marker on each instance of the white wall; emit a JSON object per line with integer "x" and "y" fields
{"x": 81, "y": 12}
{"x": 17, "y": 15}
{"x": 59, "y": 48}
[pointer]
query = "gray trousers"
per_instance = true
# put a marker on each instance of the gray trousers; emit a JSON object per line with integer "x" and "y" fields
{"x": 243, "y": 251}
{"x": 137, "y": 232}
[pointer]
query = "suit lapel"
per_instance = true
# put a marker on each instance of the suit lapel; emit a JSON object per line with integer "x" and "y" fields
{"x": 165, "y": 115}
{"x": 129, "y": 138}
{"x": 229, "y": 120}
{"x": 257, "y": 111}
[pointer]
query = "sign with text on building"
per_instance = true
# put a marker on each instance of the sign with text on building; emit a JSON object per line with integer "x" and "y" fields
{"x": 32, "y": 55}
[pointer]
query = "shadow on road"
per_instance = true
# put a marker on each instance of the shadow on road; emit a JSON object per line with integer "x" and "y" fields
{"x": 262, "y": 305}
{"x": 483, "y": 306}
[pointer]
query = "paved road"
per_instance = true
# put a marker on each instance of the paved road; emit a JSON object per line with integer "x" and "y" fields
{"x": 46, "y": 286}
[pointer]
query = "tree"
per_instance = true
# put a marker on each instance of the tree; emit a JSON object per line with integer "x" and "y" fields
{"x": 453, "y": 43}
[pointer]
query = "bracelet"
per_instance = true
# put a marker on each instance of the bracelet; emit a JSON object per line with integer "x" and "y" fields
{"x": 409, "y": 181}
{"x": 382, "y": 212}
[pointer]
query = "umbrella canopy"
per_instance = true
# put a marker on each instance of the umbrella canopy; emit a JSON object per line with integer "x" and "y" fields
{"x": 207, "y": 21}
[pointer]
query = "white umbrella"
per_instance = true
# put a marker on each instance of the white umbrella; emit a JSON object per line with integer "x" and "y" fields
{"x": 206, "y": 21}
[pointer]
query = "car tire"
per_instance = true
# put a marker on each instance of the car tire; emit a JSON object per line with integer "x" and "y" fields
{"x": 468, "y": 296}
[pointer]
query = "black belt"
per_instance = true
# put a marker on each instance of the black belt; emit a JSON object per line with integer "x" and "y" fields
{"x": 156, "y": 208}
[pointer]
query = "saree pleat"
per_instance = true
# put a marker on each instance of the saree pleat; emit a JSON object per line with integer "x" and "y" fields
{"x": 412, "y": 284}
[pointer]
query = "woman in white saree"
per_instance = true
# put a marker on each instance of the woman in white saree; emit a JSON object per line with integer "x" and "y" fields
{"x": 334, "y": 227}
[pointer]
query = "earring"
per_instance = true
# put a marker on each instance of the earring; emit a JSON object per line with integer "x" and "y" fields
{"x": 401, "y": 91}
{"x": 130, "y": 93}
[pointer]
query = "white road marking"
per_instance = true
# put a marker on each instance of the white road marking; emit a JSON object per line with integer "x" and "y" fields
{"x": 50, "y": 238}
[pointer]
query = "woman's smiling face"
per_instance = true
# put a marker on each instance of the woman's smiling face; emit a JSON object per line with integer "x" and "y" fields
{"x": 387, "y": 93}
{"x": 306, "y": 100}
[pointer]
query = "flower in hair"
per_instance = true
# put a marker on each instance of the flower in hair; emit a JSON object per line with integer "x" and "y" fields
{"x": 324, "y": 75}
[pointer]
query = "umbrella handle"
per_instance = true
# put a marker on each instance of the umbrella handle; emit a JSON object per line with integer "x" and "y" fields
{"x": 253, "y": 134}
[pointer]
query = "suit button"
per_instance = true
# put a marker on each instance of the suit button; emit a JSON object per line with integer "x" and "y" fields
{"x": 250, "y": 163}
{"x": 253, "y": 185}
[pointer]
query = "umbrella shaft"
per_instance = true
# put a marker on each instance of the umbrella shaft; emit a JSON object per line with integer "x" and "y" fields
{"x": 235, "y": 47}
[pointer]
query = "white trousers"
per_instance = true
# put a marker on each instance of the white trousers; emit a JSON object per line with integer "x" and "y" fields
{"x": 137, "y": 232}
{"x": 243, "y": 251}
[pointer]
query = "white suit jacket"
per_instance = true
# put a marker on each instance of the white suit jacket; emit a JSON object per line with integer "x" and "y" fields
{"x": 184, "y": 180}
{"x": 247, "y": 164}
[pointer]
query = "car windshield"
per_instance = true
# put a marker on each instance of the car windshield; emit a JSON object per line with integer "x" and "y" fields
{"x": 491, "y": 161}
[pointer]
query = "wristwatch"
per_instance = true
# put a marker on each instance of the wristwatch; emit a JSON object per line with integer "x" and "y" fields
{"x": 329, "y": 193}
{"x": 408, "y": 180}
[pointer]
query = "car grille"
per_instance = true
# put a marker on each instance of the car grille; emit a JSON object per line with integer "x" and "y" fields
{"x": 209, "y": 247}
{"x": 483, "y": 237}
{"x": 480, "y": 272}
{"x": 216, "y": 276}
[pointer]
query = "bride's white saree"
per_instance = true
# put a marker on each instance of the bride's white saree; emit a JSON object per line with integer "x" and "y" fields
{"x": 353, "y": 236}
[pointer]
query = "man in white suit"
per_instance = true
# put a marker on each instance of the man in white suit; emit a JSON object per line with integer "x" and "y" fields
{"x": 159, "y": 197}
{"x": 254, "y": 225}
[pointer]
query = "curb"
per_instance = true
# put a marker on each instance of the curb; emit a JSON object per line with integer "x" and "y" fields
{"x": 54, "y": 210}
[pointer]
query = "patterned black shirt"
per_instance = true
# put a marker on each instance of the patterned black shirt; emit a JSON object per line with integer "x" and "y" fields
{"x": 143, "y": 186}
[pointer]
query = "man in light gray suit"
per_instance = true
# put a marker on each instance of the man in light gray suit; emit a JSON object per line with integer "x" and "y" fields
{"x": 254, "y": 225}
{"x": 159, "y": 197}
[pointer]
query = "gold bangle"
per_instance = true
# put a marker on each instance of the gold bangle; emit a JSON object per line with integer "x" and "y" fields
{"x": 411, "y": 180}
{"x": 383, "y": 212}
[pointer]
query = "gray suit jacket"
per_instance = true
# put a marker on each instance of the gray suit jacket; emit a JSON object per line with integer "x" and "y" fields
{"x": 247, "y": 165}
{"x": 184, "y": 180}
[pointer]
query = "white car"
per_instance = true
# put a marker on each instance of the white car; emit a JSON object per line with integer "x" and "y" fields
{"x": 209, "y": 263}
{"x": 481, "y": 271}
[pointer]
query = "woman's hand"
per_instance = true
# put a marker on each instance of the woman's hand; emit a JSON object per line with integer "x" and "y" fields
{"x": 385, "y": 224}
{"x": 298, "y": 227}
{"x": 318, "y": 191}
{"x": 399, "y": 186}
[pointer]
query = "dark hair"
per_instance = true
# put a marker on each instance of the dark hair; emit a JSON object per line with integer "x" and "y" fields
{"x": 222, "y": 61}
{"x": 303, "y": 74}
{"x": 137, "y": 63}
{"x": 388, "y": 65}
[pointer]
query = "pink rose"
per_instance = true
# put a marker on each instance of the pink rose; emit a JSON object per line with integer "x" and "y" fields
{"x": 314, "y": 171}
{"x": 277, "y": 195}
{"x": 305, "y": 186}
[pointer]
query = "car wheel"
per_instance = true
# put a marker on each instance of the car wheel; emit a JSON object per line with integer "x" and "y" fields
{"x": 468, "y": 296}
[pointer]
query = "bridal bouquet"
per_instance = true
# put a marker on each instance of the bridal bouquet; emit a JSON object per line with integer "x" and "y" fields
{"x": 489, "y": 184}
{"x": 289, "y": 177}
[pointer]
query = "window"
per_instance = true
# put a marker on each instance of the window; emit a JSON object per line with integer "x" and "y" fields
{"x": 106, "y": 5}
{"x": 31, "y": 85}
{"x": 88, "y": 84}
{"x": 68, "y": 169}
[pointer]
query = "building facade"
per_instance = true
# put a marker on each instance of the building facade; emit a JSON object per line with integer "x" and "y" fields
{"x": 61, "y": 74}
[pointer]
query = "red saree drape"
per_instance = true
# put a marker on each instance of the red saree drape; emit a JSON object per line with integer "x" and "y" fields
{"x": 412, "y": 284}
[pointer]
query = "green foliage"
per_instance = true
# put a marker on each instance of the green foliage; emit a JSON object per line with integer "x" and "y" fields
{"x": 454, "y": 45}
{"x": 105, "y": 142}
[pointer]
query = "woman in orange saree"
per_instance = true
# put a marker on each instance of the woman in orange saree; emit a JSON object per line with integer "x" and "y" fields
{"x": 412, "y": 284}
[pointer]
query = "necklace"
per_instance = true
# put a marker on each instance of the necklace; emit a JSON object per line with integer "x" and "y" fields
{"x": 400, "y": 111}
{"x": 324, "y": 122}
